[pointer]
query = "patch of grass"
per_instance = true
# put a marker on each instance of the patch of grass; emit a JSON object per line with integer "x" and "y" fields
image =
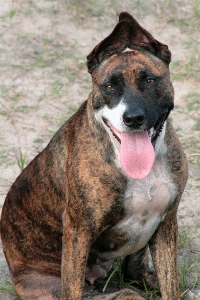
{"x": 191, "y": 146}
{"x": 195, "y": 97}
{"x": 72, "y": 54}
{"x": 47, "y": 117}
{"x": 56, "y": 54}
{"x": 178, "y": 128}
{"x": 187, "y": 267}
{"x": 197, "y": 125}
{"x": 58, "y": 88}
{"x": 2, "y": 112}
{"x": 3, "y": 154}
{"x": 39, "y": 141}
{"x": 22, "y": 109}
{"x": 72, "y": 109}
{"x": 196, "y": 11}
{"x": 87, "y": 7}
{"x": 184, "y": 238}
{"x": 7, "y": 287}
{"x": 194, "y": 101}
{"x": 10, "y": 163}
{"x": 16, "y": 96}
{"x": 189, "y": 69}
{"x": 24, "y": 36}
{"x": 3, "y": 90}
{"x": 152, "y": 293}
{"x": 115, "y": 270}
{"x": 184, "y": 269}
{"x": 174, "y": 13}
{"x": 61, "y": 120}
{"x": 38, "y": 144}
{"x": 48, "y": 40}
{"x": 21, "y": 160}
{"x": 52, "y": 132}
{"x": 12, "y": 14}
{"x": 190, "y": 107}
{"x": 42, "y": 97}
{"x": 71, "y": 78}
{"x": 43, "y": 63}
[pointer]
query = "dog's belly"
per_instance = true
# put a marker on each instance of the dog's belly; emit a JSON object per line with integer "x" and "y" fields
{"x": 146, "y": 202}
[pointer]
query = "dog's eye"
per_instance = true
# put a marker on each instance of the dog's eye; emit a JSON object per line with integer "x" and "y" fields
{"x": 109, "y": 87}
{"x": 150, "y": 81}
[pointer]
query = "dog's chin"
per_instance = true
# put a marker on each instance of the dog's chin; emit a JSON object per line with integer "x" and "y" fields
{"x": 153, "y": 132}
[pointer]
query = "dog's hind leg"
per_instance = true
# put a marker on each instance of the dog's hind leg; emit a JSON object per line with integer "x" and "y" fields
{"x": 136, "y": 268}
{"x": 33, "y": 285}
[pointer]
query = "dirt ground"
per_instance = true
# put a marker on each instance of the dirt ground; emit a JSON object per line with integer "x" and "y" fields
{"x": 43, "y": 80}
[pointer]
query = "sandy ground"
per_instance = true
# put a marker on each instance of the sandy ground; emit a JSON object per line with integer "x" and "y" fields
{"x": 44, "y": 79}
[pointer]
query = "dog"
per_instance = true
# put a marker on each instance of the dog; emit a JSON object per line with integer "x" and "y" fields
{"x": 107, "y": 185}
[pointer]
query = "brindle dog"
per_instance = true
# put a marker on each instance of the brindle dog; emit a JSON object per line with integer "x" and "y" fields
{"x": 108, "y": 184}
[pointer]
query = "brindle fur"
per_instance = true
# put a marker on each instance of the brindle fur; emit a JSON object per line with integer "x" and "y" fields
{"x": 59, "y": 213}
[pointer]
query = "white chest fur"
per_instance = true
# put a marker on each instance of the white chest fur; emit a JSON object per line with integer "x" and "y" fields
{"x": 146, "y": 202}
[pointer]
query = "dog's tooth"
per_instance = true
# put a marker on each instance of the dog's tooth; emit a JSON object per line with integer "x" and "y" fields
{"x": 151, "y": 132}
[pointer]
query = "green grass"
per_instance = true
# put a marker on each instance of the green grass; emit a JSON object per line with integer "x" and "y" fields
{"x": 188, "y": 69}
{"x": 115, "y": 270}
{"x": 186, "y": 237}
{"x": 72, "y": 108}
{"x": 12, "y": 14}
{"x": 22, "y": 109}
{"x": 174, "y": 13}
{"x": 47, "y": 117}
{"x": 88, "y": 7}
{"x": 197, "y": 125}
{"x": 48, "y": 40}
{"x": 152, "y": 293}
{"x": 61, "y": 120}
{"x": 7, "y": 288}
{"x": 3, "y": 154}
{"x": 38, "y": 141}
{"x": 2, "y": 112}
{"x": 42, "y": 62}
{"x": 21, "y": 160}
{"x": 184, "y": 270}
{"x": 58, "y": 88}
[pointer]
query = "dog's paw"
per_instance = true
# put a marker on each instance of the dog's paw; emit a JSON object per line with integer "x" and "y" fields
{"x": 150, "y": 280}
{"x": 136, "y": 268}
{"x": 125, "y": 294}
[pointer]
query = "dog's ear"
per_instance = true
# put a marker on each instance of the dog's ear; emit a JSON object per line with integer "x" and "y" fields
{"x": 127, "y": 34}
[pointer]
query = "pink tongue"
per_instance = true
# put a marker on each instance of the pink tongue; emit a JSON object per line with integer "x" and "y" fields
{"x": 136, "y": 154}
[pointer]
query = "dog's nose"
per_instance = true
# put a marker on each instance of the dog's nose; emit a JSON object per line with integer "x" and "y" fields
{"x": 134, "y": 119}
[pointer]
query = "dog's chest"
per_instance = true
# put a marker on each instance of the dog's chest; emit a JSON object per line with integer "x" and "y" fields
{"x": 145, "y": 202}
{"x": 147, "y": 198}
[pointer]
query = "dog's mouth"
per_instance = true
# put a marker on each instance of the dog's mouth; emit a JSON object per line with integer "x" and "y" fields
{"x": 136, "y": 148}
{"x": 153, "y": 133}
{"x": 156, "y": 131}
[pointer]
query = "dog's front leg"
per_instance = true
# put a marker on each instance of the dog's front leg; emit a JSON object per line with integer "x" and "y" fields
{"x": 75, "y": 250}
{"x": 163, "y": 247}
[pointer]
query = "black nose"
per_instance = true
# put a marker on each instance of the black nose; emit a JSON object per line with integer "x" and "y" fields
{"x": 134, "y": 118}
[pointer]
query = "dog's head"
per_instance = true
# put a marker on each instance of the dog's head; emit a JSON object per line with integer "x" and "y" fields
{"x": 132, "y": 92}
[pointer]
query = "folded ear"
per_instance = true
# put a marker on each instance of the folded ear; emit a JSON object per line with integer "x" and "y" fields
{"x": 127, "y": 34}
